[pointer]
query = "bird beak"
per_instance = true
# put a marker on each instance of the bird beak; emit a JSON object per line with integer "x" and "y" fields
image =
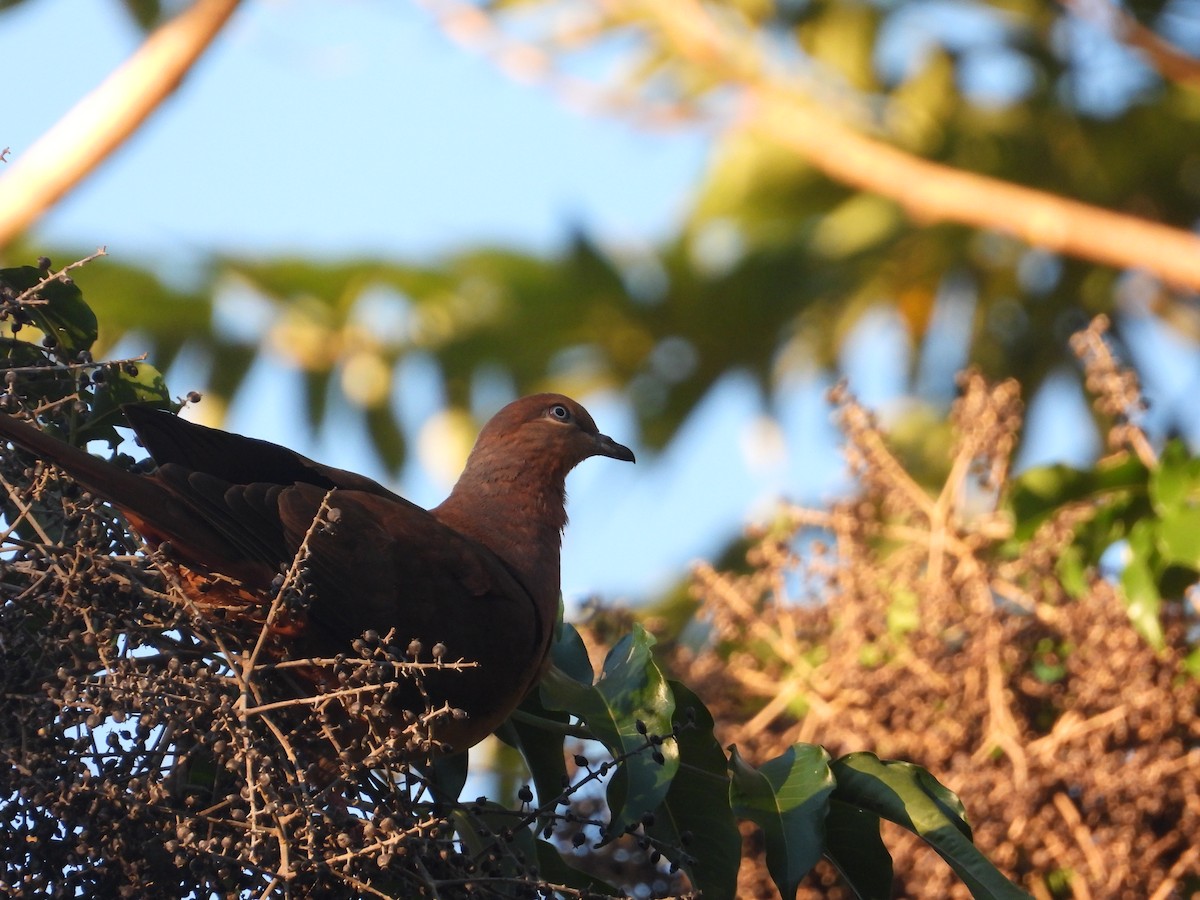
{"x": 606, "y": 446}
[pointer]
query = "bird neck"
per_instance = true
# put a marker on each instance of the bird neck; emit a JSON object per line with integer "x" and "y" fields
{"x": 519, "y": 514}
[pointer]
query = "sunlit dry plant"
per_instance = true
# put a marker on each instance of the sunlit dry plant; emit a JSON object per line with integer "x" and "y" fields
{"x": 911, "y": 622}
{"x": 1114, "y": 388}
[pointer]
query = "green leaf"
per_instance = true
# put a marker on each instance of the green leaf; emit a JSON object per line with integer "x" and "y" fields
{"x": 788, "y": 798}
{"x": 144, "y": 384}
{"x": 446, "y": 776}
{"x": 556, "y": 870}
{"x": 631, "y": 689}
{"x": 146, "y": 13}
{"x": 1072, "y": 571}
{"x": 316, "y": 389}
{"x": 37, "y": 380}
{"x": 569, "y": 654}
{"x": 856, "y": 849}
{"x": 536, "y": 731}
{"x": 537, "y": 734}
{"x": 230, "y": 365}
{"x": 1175, "y": 482}
{"x": 64, "y": 316}
{"x": 903, "y": 613}
{"x": 1175, "y": 496}
{"x": 698, "y": 803}
{"x": 478, "y": 831}
{"x": 908, "y": 795}
{"x": 1139, "y": 583}
{"x": 1179, "y": 537}
{"x": 1039, "y": 493}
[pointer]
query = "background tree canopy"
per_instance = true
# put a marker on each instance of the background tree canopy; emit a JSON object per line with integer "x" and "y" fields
{"x": 986, "y": 177}
{"x": 790, "y": 239}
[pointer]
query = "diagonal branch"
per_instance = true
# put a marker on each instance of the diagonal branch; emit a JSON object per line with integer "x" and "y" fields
{"x": 933, "y": 192}
{"x": 778, "y": 106}
{"x": 100, "y": 122}
{"x": 928, "y": 191}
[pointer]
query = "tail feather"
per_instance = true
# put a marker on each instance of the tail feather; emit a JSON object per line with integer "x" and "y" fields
{"x": 134, "y": 493}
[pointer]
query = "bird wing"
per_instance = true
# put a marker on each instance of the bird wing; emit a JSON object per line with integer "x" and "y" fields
{"x": 233, "y": 457}
{"x": 393, "y": 564}
{"x": 385, "y": 565}
{"x": 375, "y": 563}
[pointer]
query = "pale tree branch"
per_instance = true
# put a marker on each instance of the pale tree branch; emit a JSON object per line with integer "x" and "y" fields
{"x": 933, "y": 192}
{"x": 100, "y": 122}
{"x": 928, "y": 191}
{"x": 778, "y": 105}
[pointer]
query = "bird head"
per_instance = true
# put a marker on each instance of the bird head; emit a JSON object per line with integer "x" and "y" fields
{"x": 550, "y": 431}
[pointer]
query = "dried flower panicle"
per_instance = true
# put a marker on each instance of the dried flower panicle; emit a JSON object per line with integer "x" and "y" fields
{"x": 911, "y": 629}
{"x": 1115, "y": 389}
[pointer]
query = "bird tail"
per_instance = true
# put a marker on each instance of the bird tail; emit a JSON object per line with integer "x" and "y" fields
{"x": 133, "y": 493}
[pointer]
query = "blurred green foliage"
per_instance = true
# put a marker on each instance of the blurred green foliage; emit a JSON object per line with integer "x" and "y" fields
{"x": 774, "y": 264}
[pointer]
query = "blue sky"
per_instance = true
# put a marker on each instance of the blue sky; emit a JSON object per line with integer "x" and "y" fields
{"x": 335, "y": 128}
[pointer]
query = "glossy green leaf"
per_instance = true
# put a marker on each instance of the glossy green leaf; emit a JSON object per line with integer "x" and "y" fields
{"x": 552, "y": 867}
{"x": 538, "y": 734}
{"x": 479, "y": 825}
{"x": 696, "y": 815}
{"x": 908, "y": 795}
{"x": 856, "y": 849}
{"x": 1139, "y": 582}
{"x": 788, "y": 798}
{"x": 446, "y": 776}
{"x": 64, "y": 315}
{"x": 1179, "y": 537}
{"x": 631, "y": 690}
{"x": 570, "y": 655}
{"x": 141, "y": 384}
{"x": 1039, "y": 493}
{"x": 1175, "y": 482}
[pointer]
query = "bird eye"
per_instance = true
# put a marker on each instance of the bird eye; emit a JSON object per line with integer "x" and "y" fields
{"x": 560, "y": 412}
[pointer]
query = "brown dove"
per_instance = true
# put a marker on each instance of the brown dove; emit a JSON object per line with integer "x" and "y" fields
{"x": 478, "y": 574}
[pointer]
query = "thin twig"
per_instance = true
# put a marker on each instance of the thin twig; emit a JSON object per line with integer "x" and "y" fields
{"x": 28, "y": 294}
